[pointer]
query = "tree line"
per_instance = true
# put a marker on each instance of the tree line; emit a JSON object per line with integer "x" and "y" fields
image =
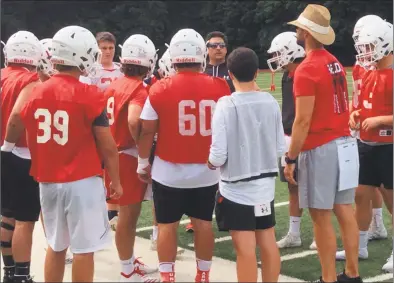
{"x": 251, "y": 24}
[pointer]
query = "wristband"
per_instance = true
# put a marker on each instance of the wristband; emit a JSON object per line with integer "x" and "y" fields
{"x": 142, "y": 164}
{"x": 7, "y": 146}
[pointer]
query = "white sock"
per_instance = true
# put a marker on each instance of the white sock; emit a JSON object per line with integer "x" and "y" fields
{"x": 204, "y": 265}
{"x": 377, "y": 215}
{"x": 166, "y": 267}
{"x": 363, "y": 244}
{"x": 127, "y": 265}
{"x": 294, "y": 227}
{"x": 155, "y": 232}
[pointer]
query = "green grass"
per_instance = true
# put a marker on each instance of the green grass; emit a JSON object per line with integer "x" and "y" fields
{"x": 306, "y": 268}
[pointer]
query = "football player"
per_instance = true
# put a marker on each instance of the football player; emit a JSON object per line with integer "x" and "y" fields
{"x": 126, "y": 97}
{"x": 374, "y": 120}
{"x": 287, "y": 55}
{"x": 67, "y": 128}
{"x": 179, "y": 110}
{"x": 20, "y": 199}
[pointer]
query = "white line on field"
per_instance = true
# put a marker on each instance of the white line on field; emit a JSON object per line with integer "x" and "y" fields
{"x": 296, "y": 255}
{"x": 186, "y": 221}
{"x": 379, "y": 278}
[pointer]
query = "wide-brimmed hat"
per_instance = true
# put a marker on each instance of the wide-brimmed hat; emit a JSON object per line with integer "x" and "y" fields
{"x": 316, "y": 20}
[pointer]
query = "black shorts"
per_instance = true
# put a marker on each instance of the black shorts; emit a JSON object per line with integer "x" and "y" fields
{"x": 376, "y": 165}
{"x": 282, "y": 171}
{"x": 231, "y": 216}
{"x": 20, "y": 194}
{"x": 172, "y": 203}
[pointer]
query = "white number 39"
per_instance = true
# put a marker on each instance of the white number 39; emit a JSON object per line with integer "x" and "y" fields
{"x": 60, "y": 122}
{"x": 191, "y": 120}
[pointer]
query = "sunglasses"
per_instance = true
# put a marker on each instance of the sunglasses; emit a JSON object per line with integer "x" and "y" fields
{"x": 216, "y": 45}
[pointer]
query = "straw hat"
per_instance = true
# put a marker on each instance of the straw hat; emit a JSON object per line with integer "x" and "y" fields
{"x": 315, "y": 19}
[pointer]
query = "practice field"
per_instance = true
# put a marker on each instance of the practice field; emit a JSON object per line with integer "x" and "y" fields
{"x": 300, "y": 263}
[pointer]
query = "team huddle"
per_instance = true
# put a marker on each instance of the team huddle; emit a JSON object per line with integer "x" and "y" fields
{"x": 86, "y": 140}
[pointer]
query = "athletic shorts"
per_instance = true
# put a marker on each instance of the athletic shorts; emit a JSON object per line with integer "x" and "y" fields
{"x": 133, "y": 188}
{"x": 172, "y": 203}
{"x": 20, "y": 194}
{"x": 231, "y": 216}
{"x": 75, "y": 215}
{"x": 376, "y": 165}
{"x": 318, "y": 178}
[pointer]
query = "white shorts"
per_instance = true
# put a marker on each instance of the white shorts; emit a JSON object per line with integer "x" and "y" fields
{"x": 75, "y": 215}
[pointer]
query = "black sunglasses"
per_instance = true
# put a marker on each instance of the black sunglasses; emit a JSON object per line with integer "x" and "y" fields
{"x": 216, "y": 45}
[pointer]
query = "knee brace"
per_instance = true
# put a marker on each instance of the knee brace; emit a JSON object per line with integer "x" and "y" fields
{"x": 8, "y": 227}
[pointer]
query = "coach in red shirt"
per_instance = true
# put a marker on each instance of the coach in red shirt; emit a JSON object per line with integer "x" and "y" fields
{"x": 328, "y": 158}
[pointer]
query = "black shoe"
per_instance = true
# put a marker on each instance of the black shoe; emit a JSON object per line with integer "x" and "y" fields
{"x": 23, "y": 279}
{"x": 343, "y": 278}
{"x": 8, "y": 276}
{"x": 322, "y": 281}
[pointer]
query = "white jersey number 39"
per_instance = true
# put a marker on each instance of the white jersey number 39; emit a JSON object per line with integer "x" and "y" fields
{"x": 59, "y": 121}
{"x": 188, "y": 122}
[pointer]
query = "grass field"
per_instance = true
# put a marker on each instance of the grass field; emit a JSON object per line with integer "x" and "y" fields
{"x": 300, "y": 263}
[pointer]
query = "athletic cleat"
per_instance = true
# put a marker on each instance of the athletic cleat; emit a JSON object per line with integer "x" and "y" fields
{"x": 343, "y": 278}
{"x": 8, "y": 275}
{"x": 313, "y": 245}
{"x": 189, "y": 228}
{"x": 362, "y": 254}
{"x": 388, "y": 266}
{"x": 137, "y": 276}
{"x": 23, "y": 279}
{"x": 377, "y": 231}
{"x": 143, "y": 267}
{"x": 289, "y": 241}
{"x": 168, "y": 277}
{"x": 113, "y": 223}
{"x": 202, "y": 276}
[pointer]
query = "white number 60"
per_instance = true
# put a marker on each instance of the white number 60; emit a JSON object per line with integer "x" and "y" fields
{"x": 191, "y": 119}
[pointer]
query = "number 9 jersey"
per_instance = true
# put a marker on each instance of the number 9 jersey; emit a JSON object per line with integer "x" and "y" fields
{"x": 58, "y": 119}
{"x": 184, "y": 104}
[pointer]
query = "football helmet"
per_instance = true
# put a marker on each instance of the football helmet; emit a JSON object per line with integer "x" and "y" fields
{"x": 363, "y": 21}
{"x": 139, "y": 50}
{"x": 188, "y": 46}
{"x": 23, "y": 47}
{"x": 45, "y": 64}
{"x": 374, "y": 42}
{"x": 285, "y": 49}
{"x": 76, "y": 46}
{"x": 165, "y": 64}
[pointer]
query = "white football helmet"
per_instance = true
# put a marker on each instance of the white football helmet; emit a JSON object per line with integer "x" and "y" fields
{"x": 139, "y": 50}
{"x": 362, "y": 22}
{"x": 285, "y": 49}
{"x": 374, "y": 42}
{"x": 76, "y": 46}
{"x": 188, "y": 46}
{"x": 45, "y": 64}
{"x": 165, "y": 64}
{"x": 22, "y": 47}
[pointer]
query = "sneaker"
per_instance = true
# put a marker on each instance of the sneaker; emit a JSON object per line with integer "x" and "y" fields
{"x": 23, "y": 279}
{"x": 143, "y": 267}
{"x": 343, "y": 278}
{"x": 202, "y": 276}
{"x": 153, "y": 243}
{"x": 113, "y": 223}
{"x": 289, "y": 241}
{"x": 388, "y": 267}
{"x": 137, "y": 276}
{"x": 362, "y": 254}
{"x": 313, "y": 245}
{"x": 189, "y": 228}
{"x": 168, "y": 277}
{"x": 377, "y": 231}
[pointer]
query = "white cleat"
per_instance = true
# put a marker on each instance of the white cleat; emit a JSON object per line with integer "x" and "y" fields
{"x": 143, "y": 267}
{"x": 113, "y": 223}
{"x": 289, "y": 241}
{"x": 388, "y": 267}
{"x": 377, "y": 231}
{"x": 362, "y": 254}
{"x": 137, "y": 276}
{"x": 313, "y": 245}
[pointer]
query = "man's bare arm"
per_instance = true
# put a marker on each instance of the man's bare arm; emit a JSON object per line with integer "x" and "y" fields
{"x": 301, "y": 125}
{"x": 133, "y": 120}
{"x": 145, "y": 140}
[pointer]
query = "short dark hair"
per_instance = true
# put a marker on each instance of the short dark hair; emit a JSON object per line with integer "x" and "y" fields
{"x": 186, "y": 65}
{"x": 216, "y": 34}
{"x": 130, "y": 70}
{"x": 105, "y": 36}
{"x": 243, "y": 63}
{"x": 65, "y": 68}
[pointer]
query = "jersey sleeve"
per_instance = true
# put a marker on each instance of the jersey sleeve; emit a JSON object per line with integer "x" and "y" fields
{"x": 304, "y": 82}
{"x": 140, "y": 97}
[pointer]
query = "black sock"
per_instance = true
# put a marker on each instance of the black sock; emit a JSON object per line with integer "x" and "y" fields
{"x": 22, "y": 268}
{"x": 112, "y": 214}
